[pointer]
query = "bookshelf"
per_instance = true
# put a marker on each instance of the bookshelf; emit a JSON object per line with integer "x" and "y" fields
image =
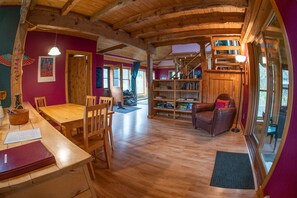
{"x": 174, "y": 98}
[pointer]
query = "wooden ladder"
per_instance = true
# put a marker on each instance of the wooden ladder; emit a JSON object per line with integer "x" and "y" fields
{"x": 224, "y": 51}
{"x": 189, "y": 65}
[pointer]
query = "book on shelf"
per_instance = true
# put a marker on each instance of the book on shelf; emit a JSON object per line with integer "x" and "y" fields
{"x": 190, "y": 99}
{"x": 25, "y": 158}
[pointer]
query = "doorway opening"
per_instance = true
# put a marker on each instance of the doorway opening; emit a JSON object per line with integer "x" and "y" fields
{"x": 78, "y": 76}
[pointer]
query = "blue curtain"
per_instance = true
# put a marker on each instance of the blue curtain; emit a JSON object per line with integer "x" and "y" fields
{"x": 136, "y": 66}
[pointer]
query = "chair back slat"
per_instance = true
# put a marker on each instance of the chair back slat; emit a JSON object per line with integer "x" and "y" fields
{"x": 40, "y": 102}
{"x": 95, "y": 119}
{"x": 91, "y": 100}
{"x": 106, "y": 100}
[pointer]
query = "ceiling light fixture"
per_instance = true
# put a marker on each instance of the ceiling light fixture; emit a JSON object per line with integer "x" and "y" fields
{"x": 54, "y": 51}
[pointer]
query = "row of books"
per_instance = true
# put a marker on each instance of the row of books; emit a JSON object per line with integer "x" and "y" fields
{"x": 190, "y": 86}
{"x": 167, "y": 105}
{"x": 179, "y": 106}
{"x": 187, "y": 99}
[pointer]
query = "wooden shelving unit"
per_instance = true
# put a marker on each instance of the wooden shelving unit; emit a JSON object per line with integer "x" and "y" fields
{"x": 174, "y": 98}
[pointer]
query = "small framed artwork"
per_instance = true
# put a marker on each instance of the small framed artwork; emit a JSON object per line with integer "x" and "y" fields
{"x": 99, "y": 77}
{"x": 46, "y": 69}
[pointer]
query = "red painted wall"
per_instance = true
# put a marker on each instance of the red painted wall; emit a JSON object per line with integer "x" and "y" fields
{"x": 38, "y": 44}
{"x": 283, "y": 181}
{"x": 162, "y": 73}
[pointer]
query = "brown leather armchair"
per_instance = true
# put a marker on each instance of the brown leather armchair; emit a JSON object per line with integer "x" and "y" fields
{"x": 214, "y": 120}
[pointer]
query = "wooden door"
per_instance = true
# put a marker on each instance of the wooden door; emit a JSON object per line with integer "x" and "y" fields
{"x": 77, "y": 80}
{"x": 219, "y": 82}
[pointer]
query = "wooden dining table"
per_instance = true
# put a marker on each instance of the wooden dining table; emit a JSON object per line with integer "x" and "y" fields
{"x": 68, "y": 116}
{"x": 70, "y": 170}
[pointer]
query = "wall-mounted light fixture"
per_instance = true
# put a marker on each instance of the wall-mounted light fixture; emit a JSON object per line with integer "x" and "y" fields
{"x": 54, "y": 51}
{"x": 240, "y": 58}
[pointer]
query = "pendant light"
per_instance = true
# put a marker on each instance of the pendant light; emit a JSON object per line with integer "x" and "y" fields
{"x": 54, "y": 51}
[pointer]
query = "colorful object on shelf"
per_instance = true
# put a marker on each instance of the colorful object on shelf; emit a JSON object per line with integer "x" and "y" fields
{"x": 185, "y": 106}
{"x": 6, "y": 59}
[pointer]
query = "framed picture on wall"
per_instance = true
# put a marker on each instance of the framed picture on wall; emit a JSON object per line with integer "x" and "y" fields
{"x": 46, "y": 69}
{"x": 99, "y": 77}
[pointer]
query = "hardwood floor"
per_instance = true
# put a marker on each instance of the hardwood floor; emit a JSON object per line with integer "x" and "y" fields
{"x": 157, "y": 158}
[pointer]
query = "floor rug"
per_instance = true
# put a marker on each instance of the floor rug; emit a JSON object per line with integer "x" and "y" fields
{"x": 143, "y": 102}
{"x": 232, "y": 170}
{"x": 127, "y": 109}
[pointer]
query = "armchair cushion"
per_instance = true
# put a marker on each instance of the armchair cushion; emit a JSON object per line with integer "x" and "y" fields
{"x": 222, "y": 103}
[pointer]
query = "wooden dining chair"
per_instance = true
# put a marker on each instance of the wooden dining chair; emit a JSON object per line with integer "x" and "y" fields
{"x": 40, "y": 102}
{"x": 94, "y": 134}
{"x": 109, "y": 102}
{"x": 90, "y": 100}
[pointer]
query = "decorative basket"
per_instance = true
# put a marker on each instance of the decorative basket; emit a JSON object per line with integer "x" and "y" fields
{"x": 18, "y": 116}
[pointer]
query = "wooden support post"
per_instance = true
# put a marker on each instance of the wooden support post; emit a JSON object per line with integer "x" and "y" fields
{"x": 204, "y": 67}
{"x": 18, "y": 53}
{"x": 150, "y": 84}
{"x": 203, "y": 56}
{"x": 121, "y": 84}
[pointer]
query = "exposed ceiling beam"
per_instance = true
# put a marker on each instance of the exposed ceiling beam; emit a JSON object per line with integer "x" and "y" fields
{"x": 164, "y": 67}
{"x": 181, "y": 41}
{"x": 68, "y": 6}
{"x": 250, "y": 14}
{"x": 120, "y": 46}
{"x": 192, "y": 21}
{"x": 261, "y": 10}
{"x": 194, "y": 33}
{"x": 110, "y": 7}
{"x": 76, "y": 22}
{"x": 191, "y": 6}
{"x": 33, "y": 4}
{"x": 192, "y": 28}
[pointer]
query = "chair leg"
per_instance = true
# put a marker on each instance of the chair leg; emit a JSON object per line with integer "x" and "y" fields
{"x": 271, "y": 137}
{"x": 275, "y": 143}
{"x": 110, "y": 132}
{"x": 111, "y": 138}
{"x": 107, "y": 151}
{"x": 91, "y": 170}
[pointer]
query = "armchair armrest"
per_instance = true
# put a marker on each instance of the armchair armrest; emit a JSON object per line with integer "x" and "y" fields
{"x": 199, "y": 107}
{"x": 223, "y": 119}
{"x": 224, "y": 112}
{"x": 202, "y": 107}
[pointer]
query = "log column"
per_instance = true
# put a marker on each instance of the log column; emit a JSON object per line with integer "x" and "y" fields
{"x": 150, "y": 83}
{"x": 18, "y": 53}
{"x": 204, "y": 67}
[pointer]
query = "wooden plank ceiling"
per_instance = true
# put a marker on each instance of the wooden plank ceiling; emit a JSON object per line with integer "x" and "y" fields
{"x": 130, "y": 25}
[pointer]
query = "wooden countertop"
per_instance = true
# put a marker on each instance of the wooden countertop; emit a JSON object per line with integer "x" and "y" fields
{"x": 67, "y": 154}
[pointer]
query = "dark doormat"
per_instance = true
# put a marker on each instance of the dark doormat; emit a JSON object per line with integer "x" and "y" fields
{"x": 127, "y": 109}
{"x": 232, "y": 170}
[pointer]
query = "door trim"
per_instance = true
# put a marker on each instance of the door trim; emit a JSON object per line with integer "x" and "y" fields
{"x": 89, "y": 74}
